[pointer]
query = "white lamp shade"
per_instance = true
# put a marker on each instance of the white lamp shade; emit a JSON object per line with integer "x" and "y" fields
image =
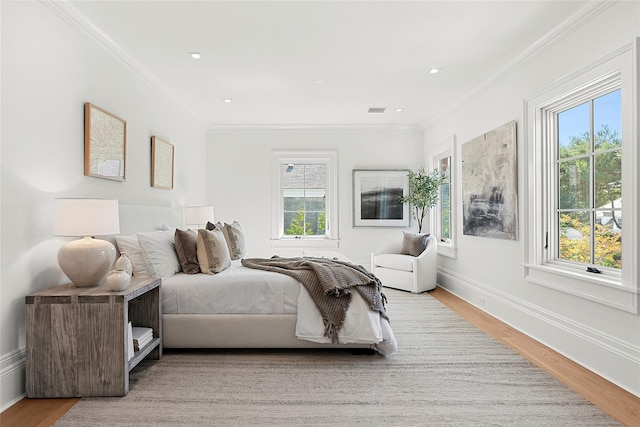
{"x": 87, "y": 261}
{"x": 86, "y": 217}
{"x": 198, "y": 215}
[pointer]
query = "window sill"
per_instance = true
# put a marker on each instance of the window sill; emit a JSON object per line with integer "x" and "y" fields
{"x": 305, "y": 243}
{"x": 603, "y": 289}
{"x": 447, "y": 250}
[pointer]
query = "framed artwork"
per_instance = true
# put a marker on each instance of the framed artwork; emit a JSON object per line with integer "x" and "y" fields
{"x": 490, "y": 184}
{"x": 161, "y": 163}
{"x": 376, "y": 198}
{"x": 105, "y": 143}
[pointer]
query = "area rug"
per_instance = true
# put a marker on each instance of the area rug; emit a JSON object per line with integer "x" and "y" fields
{"x": 445, "y": 373}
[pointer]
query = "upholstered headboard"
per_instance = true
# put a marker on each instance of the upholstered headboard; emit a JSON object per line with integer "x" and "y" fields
{"x": 135, "y": 218}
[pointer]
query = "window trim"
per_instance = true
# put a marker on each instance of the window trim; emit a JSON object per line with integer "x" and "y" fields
{"x": 446, "y": 148}
{"x": 619, "y": 292}
{"x": 602, "y": 86}
{"x": 278, "y": 238}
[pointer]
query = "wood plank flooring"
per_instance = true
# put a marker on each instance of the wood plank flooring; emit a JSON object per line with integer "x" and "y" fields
{"x": 615, "y": 401}
{"x": 618, "y": 403}
{"x": 36, "y": 412}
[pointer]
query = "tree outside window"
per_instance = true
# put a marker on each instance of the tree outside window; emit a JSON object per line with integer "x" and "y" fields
{"x": 304, "y": 199}
{"x": 444, "y": 167}
{"x": 589, "y": 176}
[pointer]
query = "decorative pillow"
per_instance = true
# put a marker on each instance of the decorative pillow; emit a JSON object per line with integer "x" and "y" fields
{"x": 186, "y": 242}
{"x": 159, "y": 251}
{"x": 130, "y": 246}
{"x": 234, "y": 235}
{"x": 413, "y": 243}
{"x": 213, "y": 253}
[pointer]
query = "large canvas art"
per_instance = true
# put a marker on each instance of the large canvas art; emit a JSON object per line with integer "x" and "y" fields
{"x": 490, "y": 184}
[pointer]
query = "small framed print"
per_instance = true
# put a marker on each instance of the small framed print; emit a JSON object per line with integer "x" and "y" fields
{"x": 377, "y": 198}
{"x": 105, "y": 143}
{"x": 162, "y": 153}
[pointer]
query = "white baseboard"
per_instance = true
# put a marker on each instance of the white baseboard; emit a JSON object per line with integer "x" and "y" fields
{"x": 12, "y": 378}
{"x": 607, "y": 356}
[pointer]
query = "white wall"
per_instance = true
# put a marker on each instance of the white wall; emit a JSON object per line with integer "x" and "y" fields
{"x": 239, "y": 184}
{"x": 49, "y": 69}
{"x": 489, "y": 272}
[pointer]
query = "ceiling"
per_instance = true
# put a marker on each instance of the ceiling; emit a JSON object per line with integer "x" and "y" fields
{"x": 322, "y": 62}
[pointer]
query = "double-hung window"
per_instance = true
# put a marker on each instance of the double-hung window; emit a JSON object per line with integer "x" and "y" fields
{"x": 304, "y": 194}
{"x": 588, "y": 178}
{"x": 443, "y": 220}
{"x": 304, "y": 209}
{"x": 581, "y": 175}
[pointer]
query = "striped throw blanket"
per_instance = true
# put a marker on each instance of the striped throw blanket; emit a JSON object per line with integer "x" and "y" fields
{"x": 329, "y": 284}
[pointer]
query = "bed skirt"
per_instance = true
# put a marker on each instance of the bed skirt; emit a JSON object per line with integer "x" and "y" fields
{"x": 237, "y": 331}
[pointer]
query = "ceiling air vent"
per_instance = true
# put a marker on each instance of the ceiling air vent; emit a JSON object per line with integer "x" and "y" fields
{"x": 377, "y": 110}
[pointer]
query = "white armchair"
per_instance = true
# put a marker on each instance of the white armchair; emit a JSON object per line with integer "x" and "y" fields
{"x": 406, "y": 272}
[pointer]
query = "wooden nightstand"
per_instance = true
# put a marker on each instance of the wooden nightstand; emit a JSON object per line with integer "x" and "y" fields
{"x": 76, "y": 338}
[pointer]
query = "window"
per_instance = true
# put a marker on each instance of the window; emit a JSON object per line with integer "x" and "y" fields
{"x": 304, "y": 199}
{"x": 580, "y": 164}
{"x": 588, "y": 157}
{"x": 443, "y": 223}
{"x": 304, "y": 194}
{"x": 444, "y": 200}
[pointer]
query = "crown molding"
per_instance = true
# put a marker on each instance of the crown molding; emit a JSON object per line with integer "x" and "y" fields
{"x": 78, "y": 21}
{"x": 317, "y": 127}
{"x": 566, "y": 28}
{"x": 71, "y": 15}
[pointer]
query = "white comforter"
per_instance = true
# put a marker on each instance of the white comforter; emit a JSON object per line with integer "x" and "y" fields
{"x": 242, "y": 290}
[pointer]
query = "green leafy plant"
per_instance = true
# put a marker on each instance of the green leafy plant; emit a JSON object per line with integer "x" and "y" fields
{"x": 424, "y": 189}
{"x": 575, "y": 175}
{"x": 299, "y": 227}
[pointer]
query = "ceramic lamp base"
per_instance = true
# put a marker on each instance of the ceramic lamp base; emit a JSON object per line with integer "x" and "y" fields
{"x": 87, "y": 261}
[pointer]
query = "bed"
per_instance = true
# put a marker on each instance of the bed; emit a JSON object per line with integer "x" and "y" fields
{"x": 238, "y": 307}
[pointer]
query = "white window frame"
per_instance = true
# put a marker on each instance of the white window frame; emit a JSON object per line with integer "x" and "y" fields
{"x": 446, "y": 247}
{"x": 279, "y": 158}
{"x": 615, "y": 289}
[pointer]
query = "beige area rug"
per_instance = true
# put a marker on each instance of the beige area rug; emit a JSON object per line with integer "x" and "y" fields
{"x": 445, "y": 373}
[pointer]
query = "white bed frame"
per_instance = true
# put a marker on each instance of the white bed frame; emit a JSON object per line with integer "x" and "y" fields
{"x": 237, "y": 331}
{"x": 216, "y": 330}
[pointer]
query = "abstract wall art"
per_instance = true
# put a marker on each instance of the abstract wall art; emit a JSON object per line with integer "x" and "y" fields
{"x": 376, "y": 198}
{"x": 490, "y": 184}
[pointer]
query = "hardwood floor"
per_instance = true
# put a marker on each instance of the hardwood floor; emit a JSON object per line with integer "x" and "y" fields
{"x": 36, "y": 412}
{"x": 613, "y": 400}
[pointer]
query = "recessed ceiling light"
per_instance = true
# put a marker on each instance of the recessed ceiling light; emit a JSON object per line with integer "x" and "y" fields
{"x": 194, "y": 55}
{"x": 434, "y": 71}
{"x": 399, "y": 110}
{"x": 227, "y": 100}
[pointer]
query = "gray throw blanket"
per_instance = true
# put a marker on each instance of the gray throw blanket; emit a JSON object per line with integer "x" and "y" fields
{"x": 329, "y": 283}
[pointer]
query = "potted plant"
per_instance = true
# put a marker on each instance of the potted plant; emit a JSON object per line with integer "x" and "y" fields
{"x": 424, "y": 189}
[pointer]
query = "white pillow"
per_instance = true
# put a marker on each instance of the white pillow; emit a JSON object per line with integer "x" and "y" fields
{"x": 130, "y": 246}
{"x": 159, "y": 251}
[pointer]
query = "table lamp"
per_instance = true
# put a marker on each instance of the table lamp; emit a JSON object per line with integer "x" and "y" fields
{"x": 86, "y": 261}
{"x": 198, "y": 216}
